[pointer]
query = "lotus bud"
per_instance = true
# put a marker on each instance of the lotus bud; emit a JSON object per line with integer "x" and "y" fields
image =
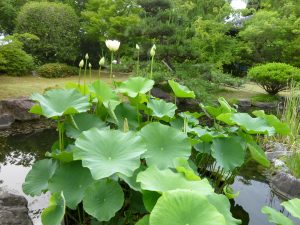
{"x": 86, "y": 56}
{"x": 102, "y": 61}
{"x": 81, "y": 64}
{"x": 112, "y": 45}
{"x": 114, "y": 61}
{"x": 137, "y": 47}
{"x": 152, "y": 51}
{"x": 90, "y": 65}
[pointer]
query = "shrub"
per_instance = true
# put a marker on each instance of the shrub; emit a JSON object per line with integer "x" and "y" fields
{"x": 14, "y": 60}
{"x": 57, "y": 27}
{"x": 56, "y": 70}
{"x": 274, "y": 77}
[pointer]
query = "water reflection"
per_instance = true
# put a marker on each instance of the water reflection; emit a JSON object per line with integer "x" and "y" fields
{"x": 17, "y": 154}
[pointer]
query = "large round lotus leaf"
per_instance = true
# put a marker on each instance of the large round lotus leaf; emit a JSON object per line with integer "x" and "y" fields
{"x": 59, "y": 102}
{"x": 36, "y": 180}
{"x": 106, "y": 152}
{"x": 276, "y": 217}
{"x": 131, "y": 181}
{"x": 149, "y": 199}
{"x": 183, "y": 207}
{"x": 229, "y": 152}
{"x": 222, "y": 204}
{"x": 258, "y": 154}
{"x": 82, "y": 122}
{"x": 54, "y": 214}
{"x": 249, "y": 124}
{"x": 136, "y": 85}
{"x": 72, "y": 179}
{"x": 102, "y": 91}
{"x": 125, "y": 110}
{"x": 181, "y": 91}
{"x": 103, "y": 199}
{"x": 164, "y": 144}
{"x": 153, "y": 179}
{"x": 144, "y": 220}
{"x": 293, "y": 207}
{"x": 161, "y": 108}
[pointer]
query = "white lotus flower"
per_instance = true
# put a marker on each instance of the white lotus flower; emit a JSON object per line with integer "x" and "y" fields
{"x": 137, "y": 47}
{"x": 112, "y": 45}
{"x": 152, "y": 51}
{"x": 86, "y": 56}
{"x": 102, "y": 61}
{"x": 81, "y": 64}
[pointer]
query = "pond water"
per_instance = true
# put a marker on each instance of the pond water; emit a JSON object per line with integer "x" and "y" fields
{"x": 18, "y": 152}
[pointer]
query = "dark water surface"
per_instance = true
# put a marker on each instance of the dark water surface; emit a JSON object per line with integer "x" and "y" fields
{"x": 17, "y": 153}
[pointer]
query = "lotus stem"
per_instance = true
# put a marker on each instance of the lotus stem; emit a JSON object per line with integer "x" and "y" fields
{"x": 90, "y": 70}
{"x": 84, "y": 81}
{"x": 151, "y": 67}
{"x": 79, "y": 77}
{"x": 79, "y": 216}
{"x": 138, "y": 63}
{"x": 99, "y": 75}
{"x": 111, "y": 63}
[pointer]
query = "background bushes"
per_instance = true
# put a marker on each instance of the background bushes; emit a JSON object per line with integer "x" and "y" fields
{"x": 50, "y": 70}
{"x": 274, "y": 77}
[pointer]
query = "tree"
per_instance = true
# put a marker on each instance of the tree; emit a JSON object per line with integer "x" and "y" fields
{"x": 57, "y": 27}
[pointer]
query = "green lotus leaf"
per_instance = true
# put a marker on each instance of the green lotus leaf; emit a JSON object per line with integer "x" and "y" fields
{"x": 131, "y": 181}
{"x": 203, "y": 147}
{"x": 81, "y": 122}
{"x": 293, "y": 207}
{"x": 125, "y": 110}
{"x": 276, "y": 217}
{"x": 83, "y": 89}
{"x": 54, "y": 213}
{"x": 59, "y": 102}
{"x": 63, "y": 156}
{"x": 223, "y": 206}
{"x": 229, "y": 152}
{"x": 181, "y": 91}
{"x": 153, "y": 179}
{"x": 205, "y": 134}
{"x": 149, "y": 199}
{"x": 226, "y": 118}
{"x": 224, "y": 108}
{"x": 258, "y": 154}
{"x": 161, "y": 108}
{"x": 280, "y": 127}
{"x": 103, "y": 199}
{"x": 252, "y": 125}
{"x": 178, "y": 208}
{"x": 164, "y": 144}
{"x": 106, "y": 152}
{"x": 183, "y": 166}
{"x": 72, "y": 179}
{"x": 135, "y": 86}
{"x": 229, "y": 192}
{"x": 36, "y": 180}
{"x": 144, "y": 220}
{"x": 102, "y": 91}
{"x": 191, "y": 118}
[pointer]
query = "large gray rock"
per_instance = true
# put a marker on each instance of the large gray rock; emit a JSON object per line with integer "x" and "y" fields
{"x": 13, "y": 210}
{"x": 6, "y": 121}
{"x": 285, "y": 185}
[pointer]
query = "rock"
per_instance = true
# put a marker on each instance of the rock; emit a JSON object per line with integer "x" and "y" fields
{"x": 6, "y": 121}
{"x": 275, "y": 150}
{"x": 265, "y": 105}
{"x": 13, "y": 210}
{"x": 159, "y": 93}
{"x": 278, "y": 163}
{"x": 18, "y": 108}
{"x": 285, "y": 184}
{"x": 244, "y": 103}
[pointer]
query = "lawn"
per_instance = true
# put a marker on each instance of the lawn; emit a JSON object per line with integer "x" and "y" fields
{"x": 12, "y": 87}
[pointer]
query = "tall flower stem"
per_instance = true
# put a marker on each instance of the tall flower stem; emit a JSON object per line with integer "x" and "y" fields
{"x": 90, "y": 70}
{"x": 60, "y": 129}
{"x": 138, "y": 63}
{"x": 111, "y": 63}
{"x": 151, "y": 67}
{"x": 79, "y": 76}
{"x": 84, "y": 80}
{"x": 99, "y": 75}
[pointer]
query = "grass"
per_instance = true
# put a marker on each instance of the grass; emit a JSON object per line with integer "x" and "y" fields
{"x": 265, "y": 98}
{"x": 13, "y": 87}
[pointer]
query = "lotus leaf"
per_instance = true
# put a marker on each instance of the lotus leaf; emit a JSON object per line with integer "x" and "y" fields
{"x": 135, "y": 86}
{"x": 258, "y": 154}
{"x": 54, "y": 214}
{"x": 181, "y": 91}
{"x": 183, "y": 166}
{"x": 164, "y": 144}
{"x": 81, "y": 122}
{"x": 36, "y": 180}
{"x": 72, "y": 179}
{"x": 106, "y": 152}
{"x": 56, "y": 103}
{"x": 293, "y": 207}
{"x": 153, "y": 179}
{"x": 276, "y": 217}
{"x": 229, "y": 152}
{"x": 103, "y": 199}
{"x": 131, "y": 181}
{"x": 102, "y": 91}
{"x": 178, "y": 208}
{"x": 143, "y": 221}
{"x": 149, "y": 199}
{"x": 124, "y": 110}
{"x": 161, "y": 108}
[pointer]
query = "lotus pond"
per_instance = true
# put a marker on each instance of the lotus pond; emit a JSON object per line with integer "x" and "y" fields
{"x": 122, "y": 156}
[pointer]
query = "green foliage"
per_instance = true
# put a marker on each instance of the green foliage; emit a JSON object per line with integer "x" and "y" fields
{"x": 57, "y": 27}
{"x": 121, "y": 145}
{"x": 51, "y": 70}
{"x": 14, "y": 60}
{"x": 265, "y": 98}
{"x": 274, "y": 77}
